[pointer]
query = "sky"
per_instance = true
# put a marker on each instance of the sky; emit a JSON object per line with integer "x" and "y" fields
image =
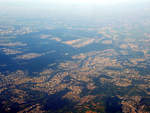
{"x": 64, "y": 6}
{"x": 102, "y": 2}
{"x": 7, "y": 4}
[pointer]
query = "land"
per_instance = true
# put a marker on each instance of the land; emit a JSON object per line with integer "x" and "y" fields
{"x": 45, "y": 71}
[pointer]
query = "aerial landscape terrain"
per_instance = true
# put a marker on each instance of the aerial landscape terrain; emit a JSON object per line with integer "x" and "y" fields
{"x": 75, "y": 57}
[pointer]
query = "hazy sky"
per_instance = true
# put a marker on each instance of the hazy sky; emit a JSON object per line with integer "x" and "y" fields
{"x": 104, "y": 2}
{"x": 65, "y": 6}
